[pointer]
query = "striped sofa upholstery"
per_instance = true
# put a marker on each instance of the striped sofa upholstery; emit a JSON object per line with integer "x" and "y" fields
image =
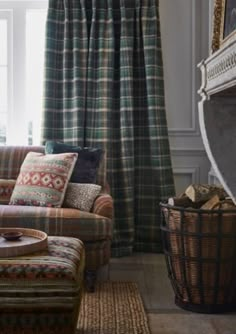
{"x": 41, "y": 292}
{"x": 93, "y": 228}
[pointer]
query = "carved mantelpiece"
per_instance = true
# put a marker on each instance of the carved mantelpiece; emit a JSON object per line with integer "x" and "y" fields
{"x": 219, "y": 71}
{"x": 217, "y": 114}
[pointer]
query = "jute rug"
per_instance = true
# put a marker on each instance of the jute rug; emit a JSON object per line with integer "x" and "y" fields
{"x": 115, "y": 308}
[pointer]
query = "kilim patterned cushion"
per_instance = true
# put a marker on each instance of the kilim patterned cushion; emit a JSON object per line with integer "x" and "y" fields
{"x": 6, "y": 189}
{"x": 81, "y": 195}
{"x": 43, "y": 179}
{"x": 59, "y": 261}
{"x": 88, "y": 162}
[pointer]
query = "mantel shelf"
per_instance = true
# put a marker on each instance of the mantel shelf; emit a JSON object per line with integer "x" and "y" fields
{"x": 219, "y": 71}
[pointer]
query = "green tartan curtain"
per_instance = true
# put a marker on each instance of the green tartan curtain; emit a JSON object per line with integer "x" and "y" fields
{"x": 104, "y": 88}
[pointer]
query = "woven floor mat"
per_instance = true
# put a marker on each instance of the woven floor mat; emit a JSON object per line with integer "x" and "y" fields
{"x": 115, "y": 308}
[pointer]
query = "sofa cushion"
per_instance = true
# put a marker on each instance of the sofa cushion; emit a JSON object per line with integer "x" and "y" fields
{"x": 68, "y": 222}
{"x": 61, "y": 261}
{"x": 87, "y": 165}
{"x": 81, "y": 195}
{"x": 6, "y": 189}
{"x": 43, "y": 179}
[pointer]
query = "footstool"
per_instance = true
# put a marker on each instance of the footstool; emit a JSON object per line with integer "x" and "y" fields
{"x": 41, "y": 292}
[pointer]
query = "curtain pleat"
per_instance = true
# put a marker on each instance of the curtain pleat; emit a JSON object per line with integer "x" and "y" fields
{"x": 104, "y": 88}
{"x": 65, "y": 72}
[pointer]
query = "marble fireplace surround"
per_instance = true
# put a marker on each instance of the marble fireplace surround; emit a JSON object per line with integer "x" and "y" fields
{"x": 217, "y": 114}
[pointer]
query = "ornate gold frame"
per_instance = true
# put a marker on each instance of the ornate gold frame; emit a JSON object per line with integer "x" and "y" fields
{"x": 218, "y": 26}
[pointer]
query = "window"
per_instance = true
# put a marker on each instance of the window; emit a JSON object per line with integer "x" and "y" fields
{"x": 35, "y": 32}
{"x": 22, "y": 39}
{"x": 3, "y": 77}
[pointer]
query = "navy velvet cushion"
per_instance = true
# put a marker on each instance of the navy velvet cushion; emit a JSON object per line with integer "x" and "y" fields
{"x": 85, "y": 170}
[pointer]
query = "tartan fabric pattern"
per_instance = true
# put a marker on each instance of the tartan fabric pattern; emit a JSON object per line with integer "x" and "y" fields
{"x": 103, "y": 206}
{"x": 91, "y": 227}
{"x": 12, "y": 157}
{"x": 57, "y": 221}
{"x": 97, "y": 252}
{"x": 104, "y": 88}
{"x": 6, "y": 189}
{"x": 41, "y": 292}
{"x": 88, "y": 227}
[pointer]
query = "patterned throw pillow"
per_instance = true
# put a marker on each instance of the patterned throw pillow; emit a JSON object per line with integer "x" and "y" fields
{"x": 43, "y": 179}
{"x": 6, "y": 189}
{"x": 86, "y": 167}
{"x": 81, "y": 196}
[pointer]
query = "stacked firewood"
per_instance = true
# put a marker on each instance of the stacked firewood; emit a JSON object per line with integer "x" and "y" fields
{"x": 203, "y": 196}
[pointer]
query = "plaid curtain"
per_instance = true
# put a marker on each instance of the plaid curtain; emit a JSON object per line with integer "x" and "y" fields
{"x": 104, "y": 88}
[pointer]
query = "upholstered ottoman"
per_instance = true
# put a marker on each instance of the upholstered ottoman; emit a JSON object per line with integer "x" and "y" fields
{"x": 41, "y": 292}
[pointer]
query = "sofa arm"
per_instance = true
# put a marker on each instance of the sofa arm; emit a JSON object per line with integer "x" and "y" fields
{"x": 103, "y": 206}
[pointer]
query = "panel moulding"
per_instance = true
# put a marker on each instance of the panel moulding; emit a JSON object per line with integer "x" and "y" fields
{"x": 193, "y": 171}
{"x": 195, "y": 30}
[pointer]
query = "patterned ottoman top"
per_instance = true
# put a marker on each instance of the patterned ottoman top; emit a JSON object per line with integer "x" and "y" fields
{"x": 63, "y": 260}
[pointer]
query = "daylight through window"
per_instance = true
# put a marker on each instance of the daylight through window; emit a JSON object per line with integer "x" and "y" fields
{"x": 22, "y": 40}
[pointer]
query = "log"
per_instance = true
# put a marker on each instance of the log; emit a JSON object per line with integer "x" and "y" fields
{"x": 184, "y": 201}
{"x": 227, "y": 204}
{"x": 203, "y": 192}
{"x": 211, "y": 203}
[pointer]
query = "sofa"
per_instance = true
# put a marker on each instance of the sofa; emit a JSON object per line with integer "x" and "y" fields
{"x": 94, "y": 228}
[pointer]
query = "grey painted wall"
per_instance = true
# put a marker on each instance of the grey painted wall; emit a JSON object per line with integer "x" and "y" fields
{"x": 185, "y": 41}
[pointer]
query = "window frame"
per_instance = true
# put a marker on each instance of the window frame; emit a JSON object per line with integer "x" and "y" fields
{"x": 15, "y": 13}
{"x": 7, "y": 14}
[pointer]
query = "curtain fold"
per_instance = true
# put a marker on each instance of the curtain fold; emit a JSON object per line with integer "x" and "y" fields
{"x": 104, "y": 88}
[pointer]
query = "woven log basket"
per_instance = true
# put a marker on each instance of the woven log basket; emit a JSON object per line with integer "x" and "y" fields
{"x": 200, "y": 251}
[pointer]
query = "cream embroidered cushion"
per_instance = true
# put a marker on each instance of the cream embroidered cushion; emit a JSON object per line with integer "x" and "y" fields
{"x": 43, "y": 179}
{"x": 81, "y": 195}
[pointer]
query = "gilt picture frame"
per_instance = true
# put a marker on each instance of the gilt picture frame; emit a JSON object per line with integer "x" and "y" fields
{"x": 224, "y": 23}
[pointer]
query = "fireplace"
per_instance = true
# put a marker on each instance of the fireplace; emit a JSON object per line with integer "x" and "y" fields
{"x": 217, "y": 114}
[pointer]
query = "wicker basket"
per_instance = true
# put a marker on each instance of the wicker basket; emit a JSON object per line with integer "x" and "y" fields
{"x": 200, "y": 250}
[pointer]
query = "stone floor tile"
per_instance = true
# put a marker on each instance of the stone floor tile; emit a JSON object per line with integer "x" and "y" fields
{"x": 180, "y": 324}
